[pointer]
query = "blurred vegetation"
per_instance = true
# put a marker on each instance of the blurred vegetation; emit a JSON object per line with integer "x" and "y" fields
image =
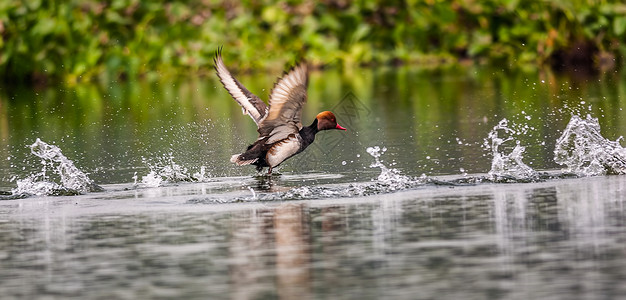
{"x": 81, "y": 40}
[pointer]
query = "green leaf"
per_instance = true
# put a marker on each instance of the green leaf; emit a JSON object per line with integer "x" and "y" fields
{"x": 481, "y": 41}
{"x": 43, "y": 27}
{"x": 115, "y": 17}
{"x": 360, "y": 32}
{"x": 619, "y": 26}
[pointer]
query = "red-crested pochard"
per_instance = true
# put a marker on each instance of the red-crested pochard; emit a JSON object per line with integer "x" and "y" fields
{"x": 281, "y": 134}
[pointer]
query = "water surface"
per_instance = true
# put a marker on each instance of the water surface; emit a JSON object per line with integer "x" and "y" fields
{"x": 419, "y": 217}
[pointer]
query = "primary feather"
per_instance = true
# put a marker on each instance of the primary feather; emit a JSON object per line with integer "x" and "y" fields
{"x": 249, "y": 102}
{"x": 286, "y": 101}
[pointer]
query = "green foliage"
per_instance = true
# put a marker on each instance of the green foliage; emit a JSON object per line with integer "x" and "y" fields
{"x": 77, "y": 40}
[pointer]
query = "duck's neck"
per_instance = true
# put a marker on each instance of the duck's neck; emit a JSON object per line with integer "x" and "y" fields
{"x": 308, "y": 134}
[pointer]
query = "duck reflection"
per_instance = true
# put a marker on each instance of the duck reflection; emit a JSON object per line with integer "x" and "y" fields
{"x": 293, "y": 255}
{"x": 281, "y": 234}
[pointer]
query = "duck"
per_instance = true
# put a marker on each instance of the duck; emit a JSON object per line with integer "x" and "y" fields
{"x": 281, "y": 134}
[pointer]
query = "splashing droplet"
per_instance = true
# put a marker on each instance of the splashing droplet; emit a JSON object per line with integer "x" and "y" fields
{"x": 166, "y": 170}
{"x": 389, "y": 177}
{"x": 586, "y": 152}
{"x": 502, "y": 164}
{"x": 71, "y": 180}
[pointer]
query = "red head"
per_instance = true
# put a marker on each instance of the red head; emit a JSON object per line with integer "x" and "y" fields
{"x": 326, "y": 120}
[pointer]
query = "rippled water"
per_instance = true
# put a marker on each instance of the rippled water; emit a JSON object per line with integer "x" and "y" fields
{"x": 448, "y": 184}
{"x": 560, "y": 238}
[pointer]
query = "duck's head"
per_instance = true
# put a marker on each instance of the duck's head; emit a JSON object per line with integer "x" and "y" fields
{"x": 326, "y": 120}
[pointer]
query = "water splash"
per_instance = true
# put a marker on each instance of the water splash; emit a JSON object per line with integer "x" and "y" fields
{"x": 506, "y": 166}
{"x": 389, "y": 180}
{"x": 152, "y": 179}
{"x": 58, "y": 175}
{"x": 202, "y": 175}
{"x": 166, "y": 170}
{"x": 389, "y": 177}
{"x": 585, "y": 152}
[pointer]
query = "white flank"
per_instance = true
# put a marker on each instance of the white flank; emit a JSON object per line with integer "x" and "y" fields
{"x": 283, "y": 150}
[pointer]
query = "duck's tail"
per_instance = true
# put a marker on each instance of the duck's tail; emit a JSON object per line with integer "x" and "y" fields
{"x": 240, "y": 161}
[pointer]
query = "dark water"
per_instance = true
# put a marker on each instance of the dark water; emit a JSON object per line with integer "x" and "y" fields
{"x": 329, "y": 227}
{"x": 559, "y": 239}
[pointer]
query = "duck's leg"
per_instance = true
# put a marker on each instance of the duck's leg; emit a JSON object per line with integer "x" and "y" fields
{"x": 269, "y": 171}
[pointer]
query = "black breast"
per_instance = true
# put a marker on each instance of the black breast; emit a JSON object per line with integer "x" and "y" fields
{"x": 308, "y": 136}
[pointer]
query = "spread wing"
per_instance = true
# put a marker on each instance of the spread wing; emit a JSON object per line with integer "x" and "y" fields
{"x": 249, "y": 102}
{"x": 286, "y": 101}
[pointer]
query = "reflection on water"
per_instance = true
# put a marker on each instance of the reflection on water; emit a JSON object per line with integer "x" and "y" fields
{"x": 562, "y": 238}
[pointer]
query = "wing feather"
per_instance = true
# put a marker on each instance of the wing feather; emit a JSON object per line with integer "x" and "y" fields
{"x": 286, "y": 101}
{"x": 249, "y": 102}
